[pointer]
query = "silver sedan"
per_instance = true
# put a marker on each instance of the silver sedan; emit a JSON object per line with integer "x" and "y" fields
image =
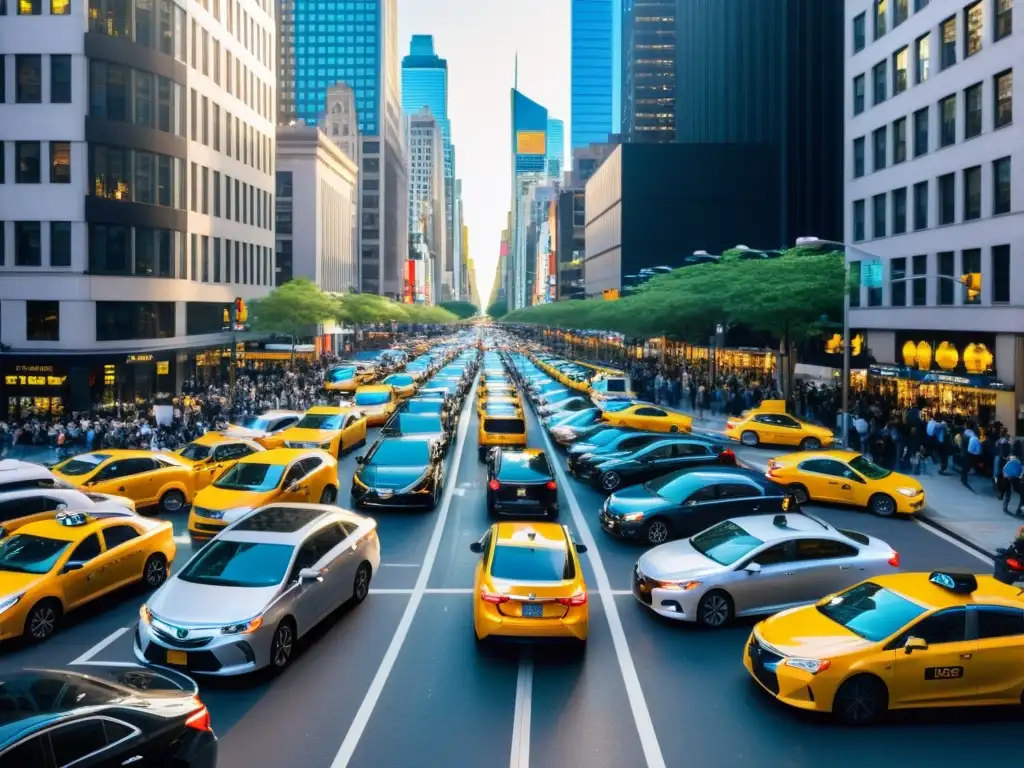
{"x": 243, "y": 601}
{"x": 755, "y": 565}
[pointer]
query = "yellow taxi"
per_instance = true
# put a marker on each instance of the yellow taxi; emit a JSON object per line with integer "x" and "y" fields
{"x": 51, "y": 567}
{"x": 511, "y": 401}
{"x": 769, "y": 423}
{"x": 649, "y": 418}
{"x": 505, "y": 427}
{"x": 405, "y": 384}
{"x": 265, "y": 429}
{"x": 330, "y": 428}
{"x": 496, "y": 389}
{"x": 149, "y": 478}
{"x": 213, "y": 453}
{"x": 342, "y": 378}
{"x": 903, "y": 641}
{"x": 280, "y": 475}
{"x": 846, "y": 477}
{"x": 529, "y": 583}
{"x": 377, "y": 402}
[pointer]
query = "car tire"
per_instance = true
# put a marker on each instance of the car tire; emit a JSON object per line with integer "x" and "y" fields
{"x": 882, "y": 504}
{"x": 673, "y": 428}
{"x": 43, "y": 620}
{"x": 657, "y": 531}
{"x": 329, "y": 495}
{"x": 800, "y": 493}
{"x": 483, "y": 455}
{"x": 361, "y": 582}
{"x": 282, "y": 645}
{"x": 172, "y": 501}
{"x": 861, "y": 700}
{"x": 154, "y": 572}
{"x": 715, "y": 609}
{"x": 810, "y": 444}
{"x": 750, "y": 438}
{"x": 610, "y": 481}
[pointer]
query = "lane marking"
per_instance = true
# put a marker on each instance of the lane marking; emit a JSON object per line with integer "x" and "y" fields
{"x": 182, "y": 538}
{"x": 373, "y": 693}
{"x": 375, "y": 591}
{"x": 634, "y": 692}
{"x": 459, "y": 491}
{"x": 84, "y": 658}
{"x": 954, "y": 541}
{"x": 107, "y": 663}
{"x": 401, "y": 565}
{"x": 520, "y": 757}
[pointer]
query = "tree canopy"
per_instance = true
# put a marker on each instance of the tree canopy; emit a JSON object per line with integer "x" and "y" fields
{"x": 461, "y": 309}
{"x": 499, "y": 308}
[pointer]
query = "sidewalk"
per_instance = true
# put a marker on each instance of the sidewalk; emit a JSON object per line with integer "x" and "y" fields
{"x": 975, "y": 518}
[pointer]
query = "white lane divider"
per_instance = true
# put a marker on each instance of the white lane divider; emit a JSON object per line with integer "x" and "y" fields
{"x": 373, "y": 693}
{"x": 520, "y": 757}
{"x": 95, "y": 650}
{"x": 459, "y": 492}
{"x": 401, "y": 565}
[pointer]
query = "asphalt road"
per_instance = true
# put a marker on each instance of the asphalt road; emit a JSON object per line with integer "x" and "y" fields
{"x": 398, "y": 682}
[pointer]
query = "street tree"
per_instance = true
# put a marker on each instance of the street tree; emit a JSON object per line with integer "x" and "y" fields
{"x": 294, "y": 309}
{"x": 461, "y": 309}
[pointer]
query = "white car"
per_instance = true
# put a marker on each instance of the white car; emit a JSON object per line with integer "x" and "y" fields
{"x": 755, "y": 565}
{"x": 29, "y": 504}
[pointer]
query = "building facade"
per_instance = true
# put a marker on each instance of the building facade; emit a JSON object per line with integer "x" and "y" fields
{"x": 132, "y": 217}
{"x": 529, "y": 138}
{"x": 427, "y": 215}
{"x": 591, "y": 70}
{"x": 556, "y": 148}
{"x": 571, "y": 244}
{"x": 649, "y": 71}
{"x": 934, "y": 202}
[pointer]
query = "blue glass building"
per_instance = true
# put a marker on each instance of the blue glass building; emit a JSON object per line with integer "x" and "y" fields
{"x": 556, "y": 148}
{"x": 591, "y": 68}
{"x": 529, "y": 141}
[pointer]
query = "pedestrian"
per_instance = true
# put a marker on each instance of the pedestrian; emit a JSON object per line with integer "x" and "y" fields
{"x": 970, "y": 453}
{"x": 1012, "y": 471}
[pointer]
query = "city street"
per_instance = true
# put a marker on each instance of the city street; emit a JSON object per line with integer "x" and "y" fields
{"x": 399, "y": 683}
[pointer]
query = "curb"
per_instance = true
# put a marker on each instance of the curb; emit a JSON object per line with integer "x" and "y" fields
{"x": 931, "y": 523}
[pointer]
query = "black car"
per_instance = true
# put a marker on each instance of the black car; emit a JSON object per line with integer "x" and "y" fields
{"x": 581, "y": 464}
{"x": 399, "y": 472}
{"x": 658, "y": 458}
{"x": 686, "y": 502}
{"x": 103, "y": 716}
{"x": 520, "y": 484}
{"x": 431, "y": 405}
{"x": 423, "y": 424}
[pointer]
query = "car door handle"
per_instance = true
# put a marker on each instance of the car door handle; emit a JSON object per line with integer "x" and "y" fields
{"x": 832, "y": 482}
{"x": 966, "y": 656}
{"x": 844, "y": 567}
{"x": 121, "y": 488}
{"x": 790, "y": 573}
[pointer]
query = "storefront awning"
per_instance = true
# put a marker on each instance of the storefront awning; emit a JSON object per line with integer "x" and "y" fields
{"x": 973, "y": 381}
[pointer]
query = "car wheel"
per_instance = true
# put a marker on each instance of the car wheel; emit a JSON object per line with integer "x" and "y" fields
{"x": 657, "y": 531}
{"x": 800, "y": 493}
{"x": 714, "y": 609}
{"x": 329, "y": 495}
{"x": 43, "y": 620}
{"x": 750, "y": 438}
{"x": 673, "y": 428}
{"x": 882, "y": 505}
{"x": 172, "y": 501}
{"x": 610, "y": 481}
{"x": 361, "y": 583}
{"x": 861, "y": 700}
{"x": 154, "y": 572}
{"x": 810, "y": 444}
{"x": 282, "y": 645}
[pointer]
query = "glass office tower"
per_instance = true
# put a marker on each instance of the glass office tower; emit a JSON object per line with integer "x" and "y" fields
{"x": 556, "y": 148}
{"x": 591, "y": 71}
{"x": 529, "y": 169}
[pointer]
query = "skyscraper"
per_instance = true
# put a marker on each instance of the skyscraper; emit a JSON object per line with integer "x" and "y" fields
{"x": 360, "y": 48}
{"x": 529, "y": 168}
{"x": 556, "y": 148}
{"x": 425, "y": 142}
{"x": 649, "y": 71}
{"x": 591, "y": 70}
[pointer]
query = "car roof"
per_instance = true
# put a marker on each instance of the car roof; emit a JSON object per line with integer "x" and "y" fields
{"x": 285, "y": 523}
{"x": 329, "y": 410}
{"x": 918, "y": 588}
{"x": 97, "y": 521}
{"x": 528, "y": 452}
{"x": 13, "y": 471}
{"x": 546, "y": 535}
{"x": 374, "y": 388}
{"x": 724, "y": 474}
{"x": 791, "y": 526}
{"x": 277, "y": 456}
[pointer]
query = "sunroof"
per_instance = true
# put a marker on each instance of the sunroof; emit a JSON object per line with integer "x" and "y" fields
{"x": 279, "y": 520}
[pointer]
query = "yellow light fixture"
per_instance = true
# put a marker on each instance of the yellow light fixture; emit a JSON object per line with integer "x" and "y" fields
{"x": 978, "y": 358}
{"x": 910, "y": 354}
{"x": 946, "y": 356}
{"x": 924, "y": 355}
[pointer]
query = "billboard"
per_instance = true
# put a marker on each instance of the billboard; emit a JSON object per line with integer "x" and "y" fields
{"x": 531, "y": 143}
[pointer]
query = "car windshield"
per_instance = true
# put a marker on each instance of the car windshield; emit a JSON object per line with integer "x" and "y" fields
{"x": 725, "y": 543}
{"x": 196, "y": 452}
{"x": 341, "y": 374}
{"x": 616, "y": 405}
{"x": 320, "y": 421}
{"x": 518, "y": 563}
{"x": 677, "y": 487}
{"x": 257, "y": 423}
{"x": 413, "y": 424}
{"x": 25, "y": 553}
{"x": 424, "y": 406}
{"x": 524, "y": 468}
{"x": 869, "y": 469}
{"x": 400, "y": 380}
{"x": 82, "y": 465}
{"x": 251, "y": 476}
{"x": 401, "y": 453}
{"x": 239, "y": 564}
{"x": 871, "y": 611}
{"x": 503, "y": 426}
{"x": 372, "y": 398}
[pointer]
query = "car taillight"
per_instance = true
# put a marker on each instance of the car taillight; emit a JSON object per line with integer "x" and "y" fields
{"x": 730, "y": 425}
{"x": 551, "y": 485}
{"x": 580, "y": 598}
{"x": 727, "y": 456}
{"x": 200, "y": 720}
{"x": 1016, "y": 565}
{"x": 491, "y": 597}
{"x": 894, "y": 561}
{"x": 494, "y": 485}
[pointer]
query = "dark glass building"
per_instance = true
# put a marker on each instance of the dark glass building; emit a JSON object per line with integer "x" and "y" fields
{"x": 591, "y": 71}
{"x": 571, "y": 244}
{"x": 649, "y": 70}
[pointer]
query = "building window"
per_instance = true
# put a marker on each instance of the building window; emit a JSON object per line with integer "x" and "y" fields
{"x": 60, "y": 162}
{"x": 283, "y": 262}
{"x": 42, "y": 320}
{"x": 1004, "y": 98}
{"x": 858, "y": 157}
{"x": 126, "y": 320}
{"x": 970, "y": 264}
{"x": 973, "y": 16}
{"x": 60, "y": 243}
{"x": 283, "y": 225}
{"x": 921, "y": 132}
{"x": 881, "y": 8}
{"x": 206, "y": 258}
{"x": 899, "y": 71}
{"x": 899, "y": 211}
{"x": 920, "y": 5}
{"x": 60, "y": 79}
{"x": 283, "y": 185}
{"x": 216, "y": 260}
{"x": 897, "y": 282}
{"x": 111, "y": 172}
{"x": 216, "y": 193}
{"x": 858, "y": 220}
{"x": 194, "y": 258}
{"x": 109, "y": 91}
{"x": 28, "y": 250}
{"x": 947, "y": 29}
{"x": 28, "y": 7}
{"x": 28, "y": 78}
{"x": 206, "y": 191}
{"x": 879, "y": 148}
{"x": 194, "y": 188}
{"x": 944, "y": 280}
{"x": 947, "y": 199}
{"x": 919, "y": 285}
{"x": 858, "y": 33}
{"x": 899, "y": 141}
{"x": 947, "y": 121}
{"x": 111, "y": 17}
{"x": 878, "y": 203}
{"x": 1001, "y": 183}
{"x": 972, "y": 111}
{"x": 215, "y": 128}
{"x": 1000, "y": 274}
{"x": 27, "y": 162}
{"x": 972, "y": 193}
{"x": 109, "y": 249}
{"x": 878, "y": 91}
{"x": 900, "y": 12}
{"x": 853, "y": 288}
{"x": 1004, "y": 18}
{"x": 921, "y": 66}
{"x": 921, "y": 205}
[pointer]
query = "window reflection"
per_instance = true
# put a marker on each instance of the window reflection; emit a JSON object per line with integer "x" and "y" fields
{"x": 111, "y": 172}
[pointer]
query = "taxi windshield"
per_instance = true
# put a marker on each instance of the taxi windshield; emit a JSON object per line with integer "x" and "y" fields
{"x": 519, "y": 563}
{"x": 25, "y": 553}
{"x": 83, "y": 465}
{"x": 341, "y": 374}
{"x": 251, "y": 477}
{"x": 871, "y": 611}
{"x": 196, "y": 452}
{"x": 725, "y": 543}
{"x": 258, "y": 423}
{"x": 869, "y": 469}
{"x": 372, "y": 398}
{"x": 320, "y": 421}
{"x": 239, "y": 564}
{"x": 402, "y": 453}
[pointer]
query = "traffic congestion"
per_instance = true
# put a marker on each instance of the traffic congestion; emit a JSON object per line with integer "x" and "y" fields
{"x": 510, "y": 557}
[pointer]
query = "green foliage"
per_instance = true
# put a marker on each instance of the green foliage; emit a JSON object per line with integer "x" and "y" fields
{"x": 293, "y": 309}
{"x": 367, "y": 308}
{"x": 461, "y": 309}
{"x": 499, "y": 308}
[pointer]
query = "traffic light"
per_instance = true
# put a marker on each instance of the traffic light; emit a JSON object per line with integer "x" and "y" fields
{"x": 972, "y": 282}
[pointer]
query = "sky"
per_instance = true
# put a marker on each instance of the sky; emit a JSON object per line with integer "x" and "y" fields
{"x": 480, "y": 38}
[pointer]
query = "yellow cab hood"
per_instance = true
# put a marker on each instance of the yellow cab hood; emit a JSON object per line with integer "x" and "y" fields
{"x": 12, "y": 583}
{"x": 221, "y": 498}
{"x": 309, "y": 435}
{"x": 808, "y": 633}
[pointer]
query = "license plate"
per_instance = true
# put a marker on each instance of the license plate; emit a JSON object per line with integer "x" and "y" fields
{"x": 520, "y": 492}
{"x": 532, "y": 610}
{"x": 180, "y": 658}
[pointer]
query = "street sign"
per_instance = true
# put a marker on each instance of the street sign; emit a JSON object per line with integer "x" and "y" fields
{"x": 871, "y": 273}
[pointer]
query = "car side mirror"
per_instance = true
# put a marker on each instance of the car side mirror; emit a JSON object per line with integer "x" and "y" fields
{"x": 581, "y": 549}
{"x": 477, "y": 548}
{"x": 292, "y": 487}
{"x": 914, "y": 644}
{"x": 307, "y": 575}
{"x": 752, "y": 568}
{"x": 360, "y": 459}
{"x": 74, "y": 565}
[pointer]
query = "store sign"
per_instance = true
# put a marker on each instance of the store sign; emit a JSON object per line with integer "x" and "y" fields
{"x": 163, "y": 368}
{"x": 34, "y": 381}
{"x": 139, "y": 359}
{"x": 950, "y": 352}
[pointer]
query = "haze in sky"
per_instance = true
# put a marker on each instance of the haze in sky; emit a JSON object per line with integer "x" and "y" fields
{"x": 480, "y": 38}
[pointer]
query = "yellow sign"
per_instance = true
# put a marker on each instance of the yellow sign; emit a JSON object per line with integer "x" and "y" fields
{"x": 163, "y": 368}
{"x": 139, "y": 359}
{"x": 34, "y": 368}
{"x": 34, "y": 381}
{"x": 611, "y": 294}
{"x": 531, "y": 143}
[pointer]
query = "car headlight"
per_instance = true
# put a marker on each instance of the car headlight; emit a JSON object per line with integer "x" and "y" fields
{"x": 633, "y": 517}
{"x": 9, "y": 602}
{"x": 911, "y": 492}
{"x": 243, "y": 627}
{"x": 144, "y": 615}
{"x": 681, "y": 586}
{"x": 814, "y": 666}
{"x": 325, "y": 446}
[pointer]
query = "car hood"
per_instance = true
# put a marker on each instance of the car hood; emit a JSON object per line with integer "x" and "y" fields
{"x": 581, "y": 448}
{"x": 808, "y": 633}
{"x": 183, "y": 602}
{"x": 221, "y": 499}
{"x": 110, "y": 501}
{"x": 676, "y": 560}
{"x": 13, "y": 583}
{"x": 236, "y": 431}
{"x": 636, "y": 498}
{"x": 392, "y": 478}
{"x": 309, "y": 435}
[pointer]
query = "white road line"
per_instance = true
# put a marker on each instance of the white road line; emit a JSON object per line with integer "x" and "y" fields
{"x": 520, "y": 757}
{"x": 84, "y": 658}
{"x": 955, "y": 542}
{"x": 375, "y": 591}
{"x": 107, "y": 663}
{"x": 182, "y": 538}
{"x": 365, "y": 711}
{"x": 401, "y": 565}
{"x": 459, "y": 491}
{"x": 621, "y": 592}
{"x": 637, "y": 703}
